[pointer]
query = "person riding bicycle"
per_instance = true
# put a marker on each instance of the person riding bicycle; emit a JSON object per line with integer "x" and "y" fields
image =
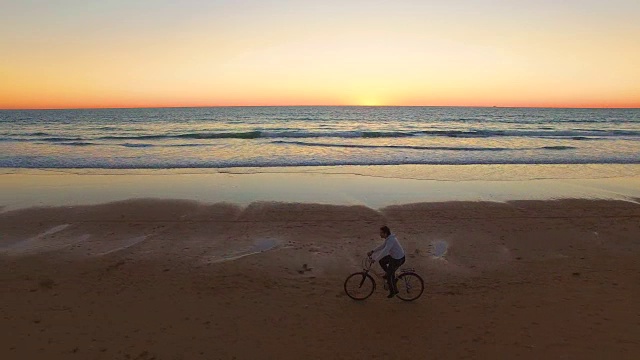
{"x": 390, "y": 255}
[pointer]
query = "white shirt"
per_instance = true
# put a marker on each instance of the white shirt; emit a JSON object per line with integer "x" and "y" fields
{"x": 390, "y": 246}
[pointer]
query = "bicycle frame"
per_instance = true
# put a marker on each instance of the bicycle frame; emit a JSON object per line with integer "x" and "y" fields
{"x": 366, "y": 267}
{"x": 406, "y": 275}
{"x": 366, "y": 264}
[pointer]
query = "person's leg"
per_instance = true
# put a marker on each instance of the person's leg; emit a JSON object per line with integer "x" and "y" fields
{"x": 384, "y": 262}
{"x": 390, "y": 270}
{"x": 394, "y": 265}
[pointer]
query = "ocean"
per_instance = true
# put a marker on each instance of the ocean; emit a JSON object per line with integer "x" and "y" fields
{"x": 231, "y": 137}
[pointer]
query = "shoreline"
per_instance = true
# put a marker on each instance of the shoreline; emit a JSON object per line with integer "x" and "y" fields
{"x": 439, "y": 172}
{"x": 370, "y": 186}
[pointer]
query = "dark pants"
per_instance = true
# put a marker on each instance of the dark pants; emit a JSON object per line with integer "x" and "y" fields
{"x": 390, "y": 265}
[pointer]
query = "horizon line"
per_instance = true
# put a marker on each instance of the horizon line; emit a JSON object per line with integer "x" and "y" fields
{"x": 362, "y": 106}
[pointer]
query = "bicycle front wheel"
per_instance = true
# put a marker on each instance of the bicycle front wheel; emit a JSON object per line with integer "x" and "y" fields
{"x": 359, "y": 286}
{"x": 410, "y": 286}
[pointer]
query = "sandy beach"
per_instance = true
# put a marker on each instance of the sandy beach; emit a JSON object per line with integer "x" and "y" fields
{"x": 176, "y": 279}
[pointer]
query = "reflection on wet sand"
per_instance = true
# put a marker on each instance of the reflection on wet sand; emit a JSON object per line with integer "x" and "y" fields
{"x": 374, "y": 187}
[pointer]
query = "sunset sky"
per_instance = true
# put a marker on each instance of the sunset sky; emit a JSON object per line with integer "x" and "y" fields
{"x": 129, "y": 53}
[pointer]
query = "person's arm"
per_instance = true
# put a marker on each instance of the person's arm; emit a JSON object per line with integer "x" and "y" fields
{"x": 378, "y": 248}
{"x": 383, "y": 249}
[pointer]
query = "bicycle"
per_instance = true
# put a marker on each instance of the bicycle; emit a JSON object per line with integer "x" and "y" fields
{"x": 361, "y": 285}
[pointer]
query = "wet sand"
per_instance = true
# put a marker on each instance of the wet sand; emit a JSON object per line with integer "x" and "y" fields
{"x": 176, "y": 279}
{"x": 371, "y": 186}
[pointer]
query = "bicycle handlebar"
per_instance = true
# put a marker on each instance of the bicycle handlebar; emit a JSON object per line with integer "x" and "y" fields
{"x": 367, "y": 262}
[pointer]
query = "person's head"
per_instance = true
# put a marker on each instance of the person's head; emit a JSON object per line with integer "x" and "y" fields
{"x": 384, "y": 232}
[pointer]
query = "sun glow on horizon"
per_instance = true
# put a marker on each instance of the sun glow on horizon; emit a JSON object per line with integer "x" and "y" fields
{"x": 485, "y": 53}
{"x": 370, "y": 101}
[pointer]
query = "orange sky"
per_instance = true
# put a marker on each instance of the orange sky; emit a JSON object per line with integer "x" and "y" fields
{"x": 197, "y": 53}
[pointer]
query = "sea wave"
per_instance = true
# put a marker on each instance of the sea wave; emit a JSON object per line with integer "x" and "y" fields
{"x": 302, "y": 134}
{"x": 60, "y": 139}
{"x": 77, "y": 143}
{"x": 411, "y": 147}
{"x": 194, "y": 135}
{"x": 558, "y": 147}
{"x": 64, "y": 163}
{"x": 129, "y": 145}
{"x": 334, "y": 145}
{"x": 529, "y": 133}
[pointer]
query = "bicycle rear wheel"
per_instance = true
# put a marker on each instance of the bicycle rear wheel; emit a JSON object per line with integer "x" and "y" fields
{"x": 359, "y": 286}
{"x": 410, "y": 286}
